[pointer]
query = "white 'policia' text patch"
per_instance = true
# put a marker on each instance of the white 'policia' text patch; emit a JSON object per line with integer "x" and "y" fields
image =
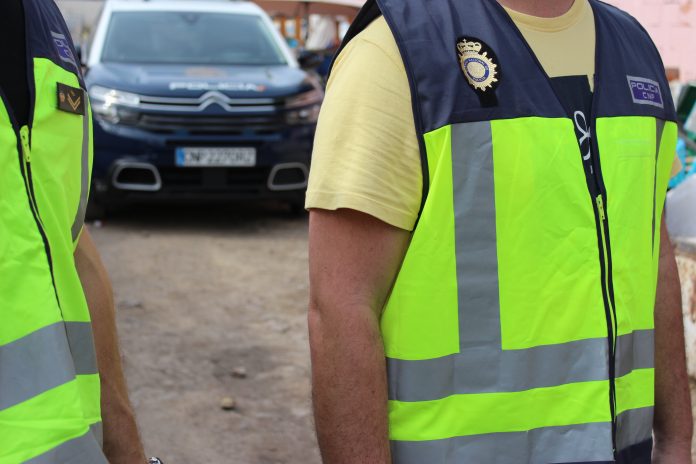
{"x": 645, "y": 91}
{"x": 63, "y": 48}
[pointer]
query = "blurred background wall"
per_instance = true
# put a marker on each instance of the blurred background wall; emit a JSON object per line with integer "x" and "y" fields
{"x": 672, "y": 24}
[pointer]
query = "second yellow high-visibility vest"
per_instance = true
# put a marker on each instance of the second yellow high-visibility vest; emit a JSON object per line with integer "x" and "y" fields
{"x": 49, "y": 382}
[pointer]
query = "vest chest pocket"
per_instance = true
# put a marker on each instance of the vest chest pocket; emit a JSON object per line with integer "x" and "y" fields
{"x": 636, "y": 149}
{"x": 629, "y": 151}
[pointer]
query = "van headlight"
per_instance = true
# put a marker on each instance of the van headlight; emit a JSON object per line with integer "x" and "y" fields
{"x": 304, "y": 108}
{"x": 114, "y": 106}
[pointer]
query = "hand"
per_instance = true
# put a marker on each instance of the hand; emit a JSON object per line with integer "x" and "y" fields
{"x": 672, "y": 453}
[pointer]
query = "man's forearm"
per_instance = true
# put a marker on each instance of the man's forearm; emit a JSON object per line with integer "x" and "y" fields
{"x": 349, "y": 387}
{"x": 673, "y": 421}
{"x": 121, "y": 440}
{"x": 353, "y": 261}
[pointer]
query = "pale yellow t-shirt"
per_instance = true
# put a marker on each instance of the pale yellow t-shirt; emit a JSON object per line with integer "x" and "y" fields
{"x": 366, "y": 155}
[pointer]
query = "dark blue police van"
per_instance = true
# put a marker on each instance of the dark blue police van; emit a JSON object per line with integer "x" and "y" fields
{"x": 198, "y": 100}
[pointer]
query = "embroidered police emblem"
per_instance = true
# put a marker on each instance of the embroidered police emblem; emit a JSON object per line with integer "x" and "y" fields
{"x": 478, "y": 63}
{"x": 63, "y": 49}
{"x": 645, "y": 91}
{"x": 71, "y": 99}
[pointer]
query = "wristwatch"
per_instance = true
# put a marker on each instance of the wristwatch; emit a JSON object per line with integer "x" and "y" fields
{"x": 154, "y": 461}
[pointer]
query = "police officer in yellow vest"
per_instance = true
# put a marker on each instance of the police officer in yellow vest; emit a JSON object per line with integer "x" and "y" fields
{"x": 486, "y": 202}
{"x": 61, "y": 401}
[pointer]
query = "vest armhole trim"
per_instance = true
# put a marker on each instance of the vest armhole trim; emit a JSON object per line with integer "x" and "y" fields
{"x": 418, "y": 120}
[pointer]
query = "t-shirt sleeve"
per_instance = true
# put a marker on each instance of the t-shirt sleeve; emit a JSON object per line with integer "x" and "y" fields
{"x": 366, "y": 155}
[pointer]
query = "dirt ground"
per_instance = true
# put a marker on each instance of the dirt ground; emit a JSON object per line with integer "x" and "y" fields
{"x": 202, "y": 293}
{"x": 211, "y": 308}
{"x": 686, "y": 260}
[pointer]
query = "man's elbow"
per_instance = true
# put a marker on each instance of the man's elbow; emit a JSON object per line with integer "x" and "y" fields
{"x": 339, "y": 325}
{"x": 325, "y": 324}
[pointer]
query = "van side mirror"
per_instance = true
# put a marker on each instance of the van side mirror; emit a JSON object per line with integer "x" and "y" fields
{"x": 309, "y": 60}
{"x": 78, "y": 51}
{"x": 80, "y": 58}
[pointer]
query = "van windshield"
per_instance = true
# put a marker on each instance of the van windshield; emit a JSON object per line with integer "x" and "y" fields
{"x": 159, "y": 37}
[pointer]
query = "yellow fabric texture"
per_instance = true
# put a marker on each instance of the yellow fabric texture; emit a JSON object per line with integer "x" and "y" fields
{"x": 533, "y": 181}
{"x": 66, "y": 411}
{"x": 420, "y": 319}
{"x": 32, "y": 428}
{"x": 483, "y": 413}
{"x": 629, "y": 153}
{"x": 31, "y": 288}
{"x": 635, "y": 390}
{"x": 57, "y": 185}
{"x": 535, "y": 268}
{"x": 366, "y": 154}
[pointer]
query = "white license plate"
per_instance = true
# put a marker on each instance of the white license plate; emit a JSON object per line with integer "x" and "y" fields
{"x": 216, "y": 157}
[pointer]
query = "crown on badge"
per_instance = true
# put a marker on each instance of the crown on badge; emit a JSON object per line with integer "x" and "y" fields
{"x": 469, "y": 47}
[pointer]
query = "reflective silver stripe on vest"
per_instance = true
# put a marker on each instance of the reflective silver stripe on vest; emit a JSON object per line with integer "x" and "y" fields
{"x": 660, "y": 129}
{"x": 516, "y": 370}
{"x": 635, "y": 351}
{"x": 84, "y": 176}
{"x": 81, "y": 342}
{"x": 45, "y": 359}
{"x": 98, "y": 432}
{"x": 81, "y": 450}
{"x": 577, "y": 443}
{"x": 475, "y": 236}
{"x": 633, "y": 427}
{"x": 482, "y": 366}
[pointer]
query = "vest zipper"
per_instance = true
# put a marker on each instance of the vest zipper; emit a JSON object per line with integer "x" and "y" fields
{"x": 25, "y": 164}
{"x": 595, "y": 186}
{"x": 605, "y": 252}
{"x": 26, "y": 171}
{"x": 607, "y": 283}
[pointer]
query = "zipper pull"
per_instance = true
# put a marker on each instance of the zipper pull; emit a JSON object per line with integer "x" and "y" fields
{"x": 24, "y": 136}
{"x": 600, "y": 208}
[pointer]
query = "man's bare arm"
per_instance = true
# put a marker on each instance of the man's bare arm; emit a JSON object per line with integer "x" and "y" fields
{"x": 121, "y": 440}
{"x": 673, "y": 424}
{"x": 353, "y": 259}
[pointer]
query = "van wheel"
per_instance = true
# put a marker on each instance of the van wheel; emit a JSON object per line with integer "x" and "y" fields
{"x": 297, "y": 208}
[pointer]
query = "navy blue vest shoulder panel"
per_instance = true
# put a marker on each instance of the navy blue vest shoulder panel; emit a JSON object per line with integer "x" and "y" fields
{"x": 631, "y": 78}
{"x": 49, "y": 37}
{"x": 629, "y": 69}
{"x": 427, "y": 32}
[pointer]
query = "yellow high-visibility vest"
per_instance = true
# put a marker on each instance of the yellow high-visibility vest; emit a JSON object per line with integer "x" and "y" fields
{"x": 49, "y": 382}
{"x": 520, "y": 328}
